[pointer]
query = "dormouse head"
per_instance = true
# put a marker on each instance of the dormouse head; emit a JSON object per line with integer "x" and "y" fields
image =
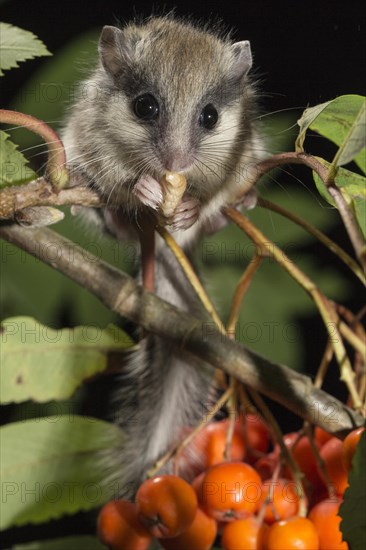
{"x": 180, "y": 99}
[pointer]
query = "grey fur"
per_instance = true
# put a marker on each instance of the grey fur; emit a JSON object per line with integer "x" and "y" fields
{"x": 185, "y": 68}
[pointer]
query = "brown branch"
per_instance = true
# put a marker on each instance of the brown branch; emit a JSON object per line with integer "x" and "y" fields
{"x": 121, "y": 294}
{"x": 290, "y": 158}
{"x": 41, "y": 193}
{"x": 240, "y": 291}
{"x": 352, "y": 228}
{"x": 56, "y": 169}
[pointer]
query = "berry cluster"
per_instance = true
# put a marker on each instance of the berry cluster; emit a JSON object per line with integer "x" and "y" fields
{"x": 250, "y": 500}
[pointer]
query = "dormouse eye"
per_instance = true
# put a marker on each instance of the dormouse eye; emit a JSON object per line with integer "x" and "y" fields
{"x": 208, "y": 117}
{"x": 146, "y": 107}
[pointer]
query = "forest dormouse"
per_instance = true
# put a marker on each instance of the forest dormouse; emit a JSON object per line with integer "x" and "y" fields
{"x": 166, "y": 95}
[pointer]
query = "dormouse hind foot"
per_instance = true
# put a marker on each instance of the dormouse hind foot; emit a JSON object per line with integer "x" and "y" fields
{"x": 249, "y": 200}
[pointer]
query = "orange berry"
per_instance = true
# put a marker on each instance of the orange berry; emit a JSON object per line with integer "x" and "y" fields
{"x": 331, "y": 453}
{"x": 349, "y": 447}
{"x": 200, "y": 535}
{"x": 166, "y": 505}
{"x": 257, "y": 433}
{"x": 244, "y": 533}
{"x": 325, "y": 517}
{"x": 215, "y": 446}
{"x": 321, "y": 436}
{"x": 292, "y": 534}
{"x": 119, "y": 528}
{"x": 305, "y": 457}
{"x": 266, "y": 465}
{"x": 284, "y": 499}
{"x": 231, "y": 491}
{"x": 209, "y": 445}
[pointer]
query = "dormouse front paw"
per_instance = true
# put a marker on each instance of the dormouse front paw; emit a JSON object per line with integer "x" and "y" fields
{"x": 185, "y": 215}
{"x": 149, "y": 192}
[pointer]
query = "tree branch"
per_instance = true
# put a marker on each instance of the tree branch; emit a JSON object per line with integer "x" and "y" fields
{"x": 56, "y": 169}
{"x": 42, "y": 193}
{"x": 121, "y": 294}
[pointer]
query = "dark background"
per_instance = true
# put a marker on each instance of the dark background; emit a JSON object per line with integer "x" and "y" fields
{"x": 307, "y": 52}
{"x": 304, "y": 53}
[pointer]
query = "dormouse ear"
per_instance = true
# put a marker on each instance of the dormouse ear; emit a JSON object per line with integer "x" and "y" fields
{"x": 114, "y": 51}
{"x": 242, "y": 58}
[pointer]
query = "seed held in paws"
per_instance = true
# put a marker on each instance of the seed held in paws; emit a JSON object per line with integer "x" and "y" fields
{"x": 174, "y": 186}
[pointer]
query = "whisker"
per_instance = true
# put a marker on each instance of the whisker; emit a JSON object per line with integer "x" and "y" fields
{"x": 286, "y": 109}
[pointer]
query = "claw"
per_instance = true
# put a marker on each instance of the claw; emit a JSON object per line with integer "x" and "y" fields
{"x": 185, "y": 215}
{"x": 149, "y": 192}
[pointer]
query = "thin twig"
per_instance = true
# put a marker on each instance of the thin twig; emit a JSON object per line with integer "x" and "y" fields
{"x": 326, "y": 310}
{"x": 324, "y": 364}
{"x": 352, "y": 228}
{"x": 331, "y": 245}
{"x": 192, "y": 277}
{"x": 196, "y": 284}
{"x": 240, "y": 292}
{"x": 56, "y": 164}
{"x": 290, "y": 158}
{"x": 355, "y": 340}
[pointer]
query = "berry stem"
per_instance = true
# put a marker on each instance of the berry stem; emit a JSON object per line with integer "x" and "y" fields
{"x": 232, "y": 408}
{"x": 307, "y": 429}
{"x": 285, "y": 453}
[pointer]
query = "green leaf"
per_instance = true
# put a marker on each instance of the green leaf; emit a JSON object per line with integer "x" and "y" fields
{"x": 353, "y": 509}
{"x": 18, "y": 45}
{"x": 14, "y": 166}
{"x": 342, "y": 121}
{"x": 308, "y": 116}
{"x": 353, "y": 188}
{"x": 86, "y": 542}
{"x": 354, "y": 143}
{"x": 52, "y": 466}
{"x": 41, "y": 363}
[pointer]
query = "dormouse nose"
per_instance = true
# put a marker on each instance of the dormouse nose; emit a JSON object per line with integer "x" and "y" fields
{"x": 177, "y": 161}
